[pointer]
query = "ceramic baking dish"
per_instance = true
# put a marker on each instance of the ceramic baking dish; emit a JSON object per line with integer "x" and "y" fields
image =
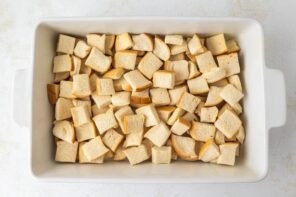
{"x": 264, "y": 103}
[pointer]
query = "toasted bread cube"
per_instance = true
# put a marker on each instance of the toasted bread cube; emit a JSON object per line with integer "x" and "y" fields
{"x": 217, "y": 44}
{"x": 215, "y": 74}
{"x": 160, "y": 96}
{"x": 121, "y": 98}
{"x": 81, "y": 49}
{"x": 150, "y": 113}
{"x": 195, "y": 46}
{"x": 94, "y": 148}
{"x": 235, "y": 81}
{"x": 119, "y": 155}
{"x": 208, "y": 114}
{"x": 174, "y": 39}
{"x": 123, "y": 42}
{"x": 85, "y": 132}
{"x": 214, "y": 97}
{"x": 161, "y": 49}
{"x": 184, "y": 147}
{"x": 83, "y": 159}
{"x": 62, "y": 63}
{"x": 133, "y": 139}
{"x": 198, "y": 85}
{"x": 64, "y": 130}
{"x": 133, "y": 123}
{"x": 193, "y": 71}
{"x": 142, "y": 42}
{"x": 97, "y": 41}
{"x": 177, "y": 57}
{"x": 188, "y": 102}
{"x": 125, "y": 59}
{"x": 228, "y": 123}
{"x": 66, "y": 89}
{"x": 53, "y": 91}
{"x": 202, "y": 131}
{"x": 176, "y": 93}
{"x": 176, "y": 114}
{"x": 209, "y": 151}
{"x": 98, "y": 61}
{"x": 63, "y": 109}
{"x": 180, "y": 68}
{"x": 230, "y": 63}
{"x": 180, "y": 126}
{"x": 101, "y": 101}
{"x": 231, "y": 95}
{"x": 227, "y": 156}
{"x": 105, "y": 121}
{"x": 198, "y": 109}
{"x": 219, "y": 138}
{"x": 66, "y": 44}
{"x": 161, "y": 155}
{"x": 61, "y": 76}
{"x": 149, "y": 64}
{"x": 127, "y": 110}
{"x": 236, "y": 109}
{"x": 177, "y": 49}
{"x": 112, "y": 139}
{"x": 164, "y": 79}
{"x": 115, "y": 73}
{"x": 81, "y": 85}
{"x": 232, "y": 46}
{"x": 137, "y": 81}
{"x": 165, "y": 112}
{"x": 205, "y": 62}
{"x": 105, "y": 87}
{"x": 80, "y": 115}
{"x": 190, "y": 117}
{"x": 158, "y": 134}
{"x": 137, "y": 154}
{"x": 66, "y": 152}
{"x": 240, "y": 136}
{"x": 141, "y": 97}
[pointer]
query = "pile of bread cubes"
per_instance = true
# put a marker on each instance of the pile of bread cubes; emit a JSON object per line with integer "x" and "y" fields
{"x": 140, "y": 97}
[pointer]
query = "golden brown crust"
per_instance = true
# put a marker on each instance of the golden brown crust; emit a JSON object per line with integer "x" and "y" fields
{"x": 53, "y": 91}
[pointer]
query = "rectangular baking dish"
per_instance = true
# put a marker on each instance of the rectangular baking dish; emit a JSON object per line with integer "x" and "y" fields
{"x": 264, "y": 103}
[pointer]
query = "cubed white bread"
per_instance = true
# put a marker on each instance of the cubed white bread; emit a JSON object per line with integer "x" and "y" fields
{"x": 205, "y": 62}
{"x": 80, "y": 115}
{"x": 61, "y": 76}
{"x": 215, "y": 74}
{"x": 202, "y": 131}
{"x": 195, "y": 46}
{"x": 232, "y": 46}
{"x": 115, "y": 73}
{"x": 97, "y": 61}
{"x": 190, "y": 117}
{"x": 176, "y": 93}
{"x": 123, "y": 42}
{"x": 188, "y": 102}
{"x": 161, "y": 155}
{"x": 198, "y": 85}
{"x": 161, "y": 49}
{"x": 62, "y": 63}
{"x": 109, "y": 43}
{"x": 235, "y": 81}
{"x": 64, "y": 130}
{"x": 81, "y": 85}
{"x": 221, "y": 83}
{"x": 214, "y": 97}
{"x": 125, "y": 59}
{"x": 228, "y": 123}
{"x": 137, "y": 81}
{"x": 101, "y": 101}
{"x": 149, "y": 64}
{"x": 230, "y": 63}
{"x": 177, "y": 57}
{"x": 97, "y": 41}
{"x": 174, "y": 155}
{"x": 227, "y": 154}
{"x": 121, "y": 98}
{"x": 174, "y": 39}
{"x": 158, "y": 134}
{"x": 231, "y": 94}
{"x": 178, "y": 112}
{"x": 193, "y": 71}
{"x": 141, "y": 97}
{"x": 240, "y": 136}
{"x": 119, "y": 155}
{"x": 66, "y": 90}
{"x": 180, "y": 126}
{"x": 133, "y": 139}
{"x": 119, "y": 114}
{"x": 53, "y": 91}
{"x": 150, "y": 113}
{"x": 148, "y": 145}
{"x": 112, "y": 139}
{"x": 209, "y": 151}
{"x": 164, "y": 79}
{"x": 217, "y": 44}
{"x": 85, "y": 132}
{"x": 209, "y": 114}
{"x": 237, "y": 109}
{"x": 76, "y": 65}
{"x": 94, "y": 148}
{"x": 142, "y": 42}
{"x": 177, "y": 49}
{"x": 219, "y": 138}
{"x": 164, "y": 112}
{"x": 184, "y": 147}
{"x": 160, "y": 96}
{"x": 105, "y": 87}
{"x": 93, "y": 82}
{"x": 63, "y": 109}
{"x": 136, "y": 155}
{"x": 133, "y": 123}
{"x": 198, "y": 109}
{"x": 66, "y": 152}
{"x": 66, "y": 44}
{"x": 83, "y": 159}
{"x": 105, "y": 121}
{"x": 81, "y": 49}
{"x": 180, "y": 67}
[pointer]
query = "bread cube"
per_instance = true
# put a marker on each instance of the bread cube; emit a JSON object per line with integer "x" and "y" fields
{"x": 63, "y": 109}
{"x": 240, "y": 136}
{"x": 198, "y": 85}
{"x": 133, "y": 123}
{"x": 219, "y": 138}
{"x": 205, "y": 62}
{"x": 61, "y": 76}
{"x": 214, "y": 97}
{"x": 142, "y": 42}
{"x": 227, "y": 156}
{"x": 164, "y": 79}
{"x": 230, "y": 63}
{"x": 125, "y": 59}
{"x": 124, "y": 111}
{"x": 81, "y": 49}
{"x": 174, "y": 39}
{"x": 164, "y": 112}
{"x": 81, "y": 85}
{"x": 217, "y": 44}
{"x": 236, "y": 109}
{"x": 149, "y": 64}
{"x": 161, "y": 49}
{"x": 66, "y": 152}
{"x": 180, "y": 68}
{"x": 101, "y": 101}
{"x": 96, "y": 111}
{"x": 193, "y": 71}
{"x": 209, "y": 114}
{"x": 158, "y": 134}
{"x": 76, "y": 65}
{"x": 161, "y": 155}
{"x": 62, "y": 63}
{"x": 175, "y": 115}
{"x": 110, "y": 40}
{"x": 98, "y": 61}
{"x": 93, "y": 82}
{"x": 190, "y": 117}
{"x": 228, "y": 123}
{"x": 133, "y": 139}
{"x": 66, "y": 90}
{"x": 232, "y": 46}
{"x": 115, "y": 73}
{"x": 141, "y": 97}
{"x": 215, "y": 74}
{"x": 198, "y": 109}
{"x": 176, "y": 93}
{"x": 83, "y": 159}
{"x": 177, "y": 57}
{"x": 177, "y": 49}
{"x": 150, "y": 113}
{"x": 66, "y": 44}
{"x": 112, "y": 139}
{"x": 137, "y": 154}
{"x": 119, "y": 155}
{"x": 188, "y": 102}
{"x": 64, "y": 130}
{"x": 235, "y": 81}
{"x": 202, "y": 131}
{"x": 121, "y": 98}
{"x": 97, "y": 41}
{"x": 123, "y": 42}
{"x": 180, "y": 126}
{"x": 85, "y": 132}
{"x": 231, "y": 95}
{"x": 53, "y": 91}
{"x": 80, "y": 115}
{"x": 160, "y": 96}
{"x": 184, "y": 147}
{"x": 221, "y": 83}
{"x": 137, "y": 81}
{"x": 94, "y": 148}
{"x": 195, "y": 46}
{"x": 105, "y": 87}
{"x": 209, "y": 151}
{"x": 105, "y": 121}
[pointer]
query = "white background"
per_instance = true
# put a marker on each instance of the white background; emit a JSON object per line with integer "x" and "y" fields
{"x": 17, "y": 21}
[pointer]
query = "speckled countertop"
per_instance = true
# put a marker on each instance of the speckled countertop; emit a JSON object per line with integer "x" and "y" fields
{"x": 17, "y": 21}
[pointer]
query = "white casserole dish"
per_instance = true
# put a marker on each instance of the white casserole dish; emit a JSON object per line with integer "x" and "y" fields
{"x": 264, "y": 103}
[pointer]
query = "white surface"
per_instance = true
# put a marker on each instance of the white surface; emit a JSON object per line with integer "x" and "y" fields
{"x": 16, "y": 22}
